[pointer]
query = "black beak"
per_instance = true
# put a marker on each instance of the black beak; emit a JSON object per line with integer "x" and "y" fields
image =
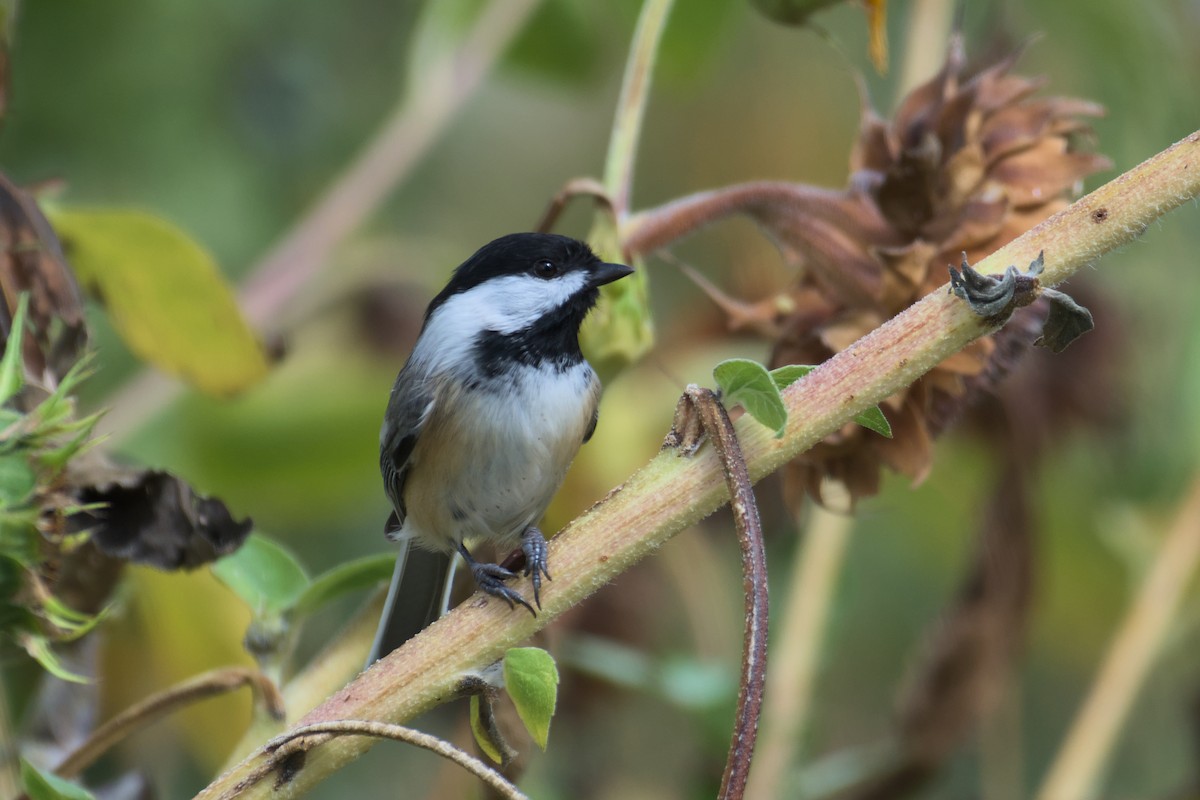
{"x": 607, "y": 273}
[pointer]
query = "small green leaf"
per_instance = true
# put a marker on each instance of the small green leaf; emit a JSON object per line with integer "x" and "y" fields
{"x": 17, "y": 479}
{"x": 787, "y": 375}
{"x": 531, "y": 678}
{"x": 481, "y": 734}
{"x": 264, "y": 574}
{"x": 12, "y": 366}
{"x": 19, "y": 538}
{"x": 164, "y": 295}
{"x": 48, "y": 786}
{"x": 39, "y": 649}
{"x": 361, "y": 573}
{"x": 748, "y": 383}
{"x": 874, "y": 419}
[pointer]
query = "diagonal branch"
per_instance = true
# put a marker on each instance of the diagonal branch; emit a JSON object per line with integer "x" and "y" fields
{"x": 669, "y": 494}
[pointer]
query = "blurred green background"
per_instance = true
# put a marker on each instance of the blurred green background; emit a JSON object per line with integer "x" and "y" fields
{"x": 230, "y": 118}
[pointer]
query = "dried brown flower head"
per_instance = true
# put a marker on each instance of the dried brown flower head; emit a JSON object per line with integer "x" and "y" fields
{"x": 965, "y": 165}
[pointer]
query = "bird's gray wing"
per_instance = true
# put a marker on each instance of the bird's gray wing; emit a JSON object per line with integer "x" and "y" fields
{"x": 408, "y": 409}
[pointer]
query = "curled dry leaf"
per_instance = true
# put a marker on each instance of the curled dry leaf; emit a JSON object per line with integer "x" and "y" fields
{"x": 966, "y": 165}
{"x": 151, "y": 517}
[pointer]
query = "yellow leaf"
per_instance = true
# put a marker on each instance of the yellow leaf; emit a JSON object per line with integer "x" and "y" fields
{"x": 164, "y": 295}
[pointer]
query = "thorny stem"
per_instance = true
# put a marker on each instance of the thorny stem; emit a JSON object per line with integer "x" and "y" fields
{"x": 670, "y": 494}
{"x": 631, "y": 106}
{"x": 286, "y": 747}
{"x": 412, "y": 127}
{"x": 715, "y": 422}
{"x": 157, "y": 706}
{"x": 1080, "y": 762}
{"x": 816, "y": 569}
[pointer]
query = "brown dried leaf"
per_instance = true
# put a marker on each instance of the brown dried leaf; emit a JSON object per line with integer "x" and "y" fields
{"x": 1040, "y": 173}
{"x": 152, "y": 517}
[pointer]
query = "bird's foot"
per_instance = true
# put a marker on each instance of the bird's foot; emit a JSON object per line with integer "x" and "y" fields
{"x": 533, "y": 545}
{"x": 491, "y": 577}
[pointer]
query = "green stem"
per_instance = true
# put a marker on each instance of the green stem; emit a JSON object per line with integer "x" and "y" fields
{"x": 631, "y": 106}
{"x": 670, "y": 493}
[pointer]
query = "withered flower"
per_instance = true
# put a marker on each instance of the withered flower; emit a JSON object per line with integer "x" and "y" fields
{"x": 966, "y": 165}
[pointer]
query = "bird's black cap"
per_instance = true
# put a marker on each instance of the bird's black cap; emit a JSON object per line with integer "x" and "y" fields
{"x": 518, "y": 253}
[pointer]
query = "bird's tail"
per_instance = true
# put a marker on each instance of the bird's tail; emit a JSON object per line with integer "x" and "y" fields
{"x": 418, "y": 595}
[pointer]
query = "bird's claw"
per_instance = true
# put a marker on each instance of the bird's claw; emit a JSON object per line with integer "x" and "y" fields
{"x": 490, "y": 579}
{"x": 533, "y": 545}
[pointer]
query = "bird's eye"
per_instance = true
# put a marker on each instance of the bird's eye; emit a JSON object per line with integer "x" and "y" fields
{"x": 545, "y": 269}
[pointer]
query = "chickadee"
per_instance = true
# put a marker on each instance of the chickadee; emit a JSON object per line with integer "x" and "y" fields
{"x": 485, "y": 418}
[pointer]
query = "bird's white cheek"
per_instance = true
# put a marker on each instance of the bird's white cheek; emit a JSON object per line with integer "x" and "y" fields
{"x": 505, "y": 305}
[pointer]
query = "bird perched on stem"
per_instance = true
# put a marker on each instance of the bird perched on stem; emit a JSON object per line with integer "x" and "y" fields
{"x": 485, "y": 418}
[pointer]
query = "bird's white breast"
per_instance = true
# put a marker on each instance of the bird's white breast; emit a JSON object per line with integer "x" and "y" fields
{"x": 501, "y": 453}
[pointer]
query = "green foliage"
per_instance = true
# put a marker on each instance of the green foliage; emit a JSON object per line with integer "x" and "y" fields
{"x": 165, "y": 296}
{"x": 756, "y": 389}
{"x": 12, "y": 372}
{"x": 273, "y": 582}
{"x": 48, "y": 786}
{"x": 362, "y": 573}
{"x": 264, "y": 574}
{"x": 34, "y": 448}
{"x": 531, "y": 678}
{"x": 748, "y": 383}
{"x": 38, "y": 648}
{"x": 620, "y": 329}
{"x": 277, "y": 589}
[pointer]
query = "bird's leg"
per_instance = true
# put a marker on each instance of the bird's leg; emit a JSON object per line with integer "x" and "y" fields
{"x": 490, "y": 578}
{"x": 533, "y": 545}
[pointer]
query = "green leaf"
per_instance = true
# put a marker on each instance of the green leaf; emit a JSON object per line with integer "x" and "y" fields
{"x": 531, "y": 678}
{"x": 872, "y": 418}
{"x": 164, "y": 295}
{"x": 361, "y": 573}
{"x": 72, "y": 623}
{"x": 481, "y": 733}
{"x": 264, "y": 574}
{"x": 787, "y": 375}
{"x": 12, "y": 366}
{"x": 748, "y": 383}
{"x": 19, "y": 539}
{"x": 17, "y": 479}
{"x": 56, "y": 457}
{"x": 48, "y": 786}
{"x": 39, "y": 649}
